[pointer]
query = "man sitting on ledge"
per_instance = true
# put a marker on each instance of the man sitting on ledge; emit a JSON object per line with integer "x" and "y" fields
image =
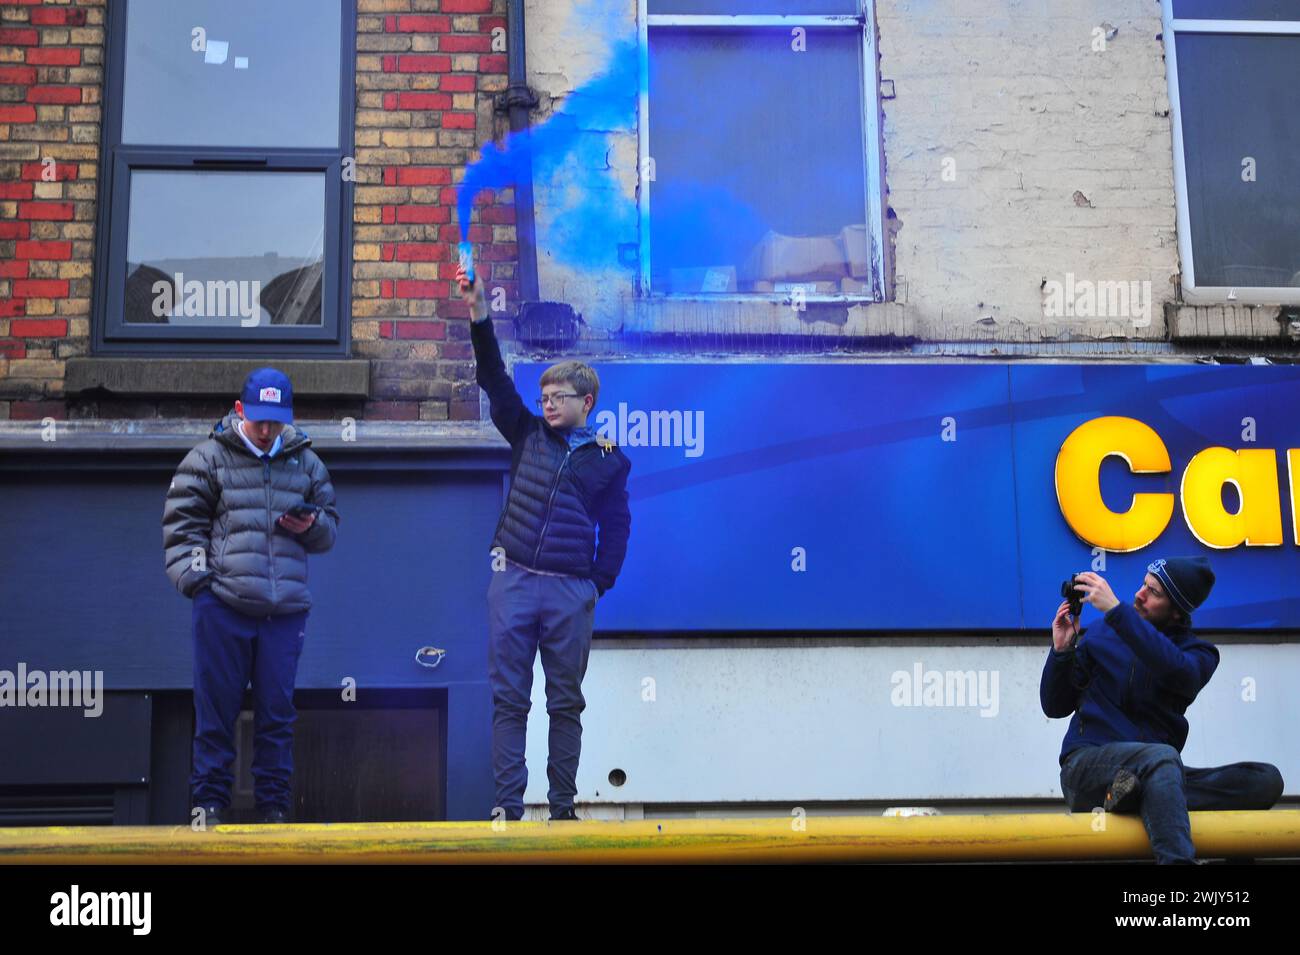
{"x": 1128, "y": 685}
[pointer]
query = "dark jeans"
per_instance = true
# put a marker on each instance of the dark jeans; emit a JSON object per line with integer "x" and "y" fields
{"x": 230, "y": 649}
{"x": 1169, "y": 790}
{"x": 529, "y": 612}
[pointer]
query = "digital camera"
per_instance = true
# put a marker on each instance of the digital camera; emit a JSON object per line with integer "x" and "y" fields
{"x": 1073, "y": 596}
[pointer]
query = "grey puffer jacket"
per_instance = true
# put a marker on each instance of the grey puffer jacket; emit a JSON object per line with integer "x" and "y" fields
{"x": 219, "y": 521}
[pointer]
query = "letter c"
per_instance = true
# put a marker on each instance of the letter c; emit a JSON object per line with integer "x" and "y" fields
{"x": 1078, "y": 485}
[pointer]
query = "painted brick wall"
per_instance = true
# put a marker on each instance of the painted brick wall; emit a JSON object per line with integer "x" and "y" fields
{"x": 1061, "y": 161}
{"x": 1060, "y": 156}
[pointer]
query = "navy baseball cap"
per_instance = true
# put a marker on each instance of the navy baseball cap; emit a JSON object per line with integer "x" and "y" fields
{"x": 267, "y": 396}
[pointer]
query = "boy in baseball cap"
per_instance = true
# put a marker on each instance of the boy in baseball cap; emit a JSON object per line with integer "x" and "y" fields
{"x": 245, "y": 509}
{"x": 264, "y": 407}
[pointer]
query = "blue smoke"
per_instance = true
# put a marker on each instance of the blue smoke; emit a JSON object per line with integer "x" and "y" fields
{"x": 594, "y": 217}
{"x": 738, "y": 154}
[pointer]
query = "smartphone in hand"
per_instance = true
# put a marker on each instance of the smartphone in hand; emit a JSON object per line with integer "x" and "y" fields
{"x": 300, "y": 511}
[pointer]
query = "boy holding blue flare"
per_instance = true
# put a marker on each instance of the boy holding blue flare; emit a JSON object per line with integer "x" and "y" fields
{"x": 558, "y": 547}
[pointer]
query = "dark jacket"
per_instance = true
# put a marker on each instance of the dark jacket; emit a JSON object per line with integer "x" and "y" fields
{"x": 558, "y": 497}
{"x": 219, "y": 519}
{"x": 1126, "y": 681}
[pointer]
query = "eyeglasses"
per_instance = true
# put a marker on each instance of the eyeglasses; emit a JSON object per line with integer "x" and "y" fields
{"x": 554, "y": 400}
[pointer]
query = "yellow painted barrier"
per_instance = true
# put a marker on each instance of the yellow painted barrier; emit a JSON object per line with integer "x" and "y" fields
{"x": 964, "y": 838}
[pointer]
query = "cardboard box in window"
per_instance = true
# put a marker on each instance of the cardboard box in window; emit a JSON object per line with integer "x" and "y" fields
{"x": 713, "y": 278}
{"x": 851, "y": 286}
{"x": 791, "y": 258}
{"x": 856, "y": 248}
{"x": 809, "y": 288}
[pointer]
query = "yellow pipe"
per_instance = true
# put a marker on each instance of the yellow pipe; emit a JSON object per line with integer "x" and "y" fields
{"x": 969, "y": 838}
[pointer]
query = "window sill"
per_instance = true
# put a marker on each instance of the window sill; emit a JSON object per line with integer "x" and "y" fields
{"x": 212, "y": 377}
{"x": 841, "y": 316}
{"x": 136, "y": 436}
{"x": 778, "y": 298}
{"x": 1187, "y": 322}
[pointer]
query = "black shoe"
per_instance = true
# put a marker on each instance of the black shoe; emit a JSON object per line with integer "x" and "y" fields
{"x": 272, "y": 817}
{"x": 211, "y": 816}
{"x": 564, "y": 815}
{"x": 1122, "y": 793}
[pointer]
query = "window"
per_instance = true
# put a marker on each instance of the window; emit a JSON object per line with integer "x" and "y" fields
{"x": 225, "y": 213}
{"x": 1236, "y": 136}
{"x": 760, "y": 150}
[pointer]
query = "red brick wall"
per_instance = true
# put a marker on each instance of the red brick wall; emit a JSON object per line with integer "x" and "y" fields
{"x": 427, "y": 75}
{"x": 51, "y": 75}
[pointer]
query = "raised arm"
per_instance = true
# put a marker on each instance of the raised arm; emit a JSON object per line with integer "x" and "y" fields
{"x": 1187, "y": 670}
{"x": 509, "y": 413}
{"x": 1065, "y": 674}
{"x": 1067, "y": 668}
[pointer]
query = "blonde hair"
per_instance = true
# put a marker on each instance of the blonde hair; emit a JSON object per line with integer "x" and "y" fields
{"x": 582, "y": 377}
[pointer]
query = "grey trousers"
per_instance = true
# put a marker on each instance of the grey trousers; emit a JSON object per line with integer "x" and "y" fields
{"x": 529, "y": 612}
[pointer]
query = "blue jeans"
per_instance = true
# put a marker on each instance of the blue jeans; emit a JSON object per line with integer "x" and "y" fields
{"x": 230, "y": 649}
{"x": 529, "y": 612}
{"x": 1169, "y": 790}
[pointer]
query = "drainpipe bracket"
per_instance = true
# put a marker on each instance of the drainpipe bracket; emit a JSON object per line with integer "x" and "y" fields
{"x": 514, "y": 96}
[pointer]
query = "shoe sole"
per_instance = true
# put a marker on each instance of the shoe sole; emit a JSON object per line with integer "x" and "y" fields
{"x": 1123, "y": 786}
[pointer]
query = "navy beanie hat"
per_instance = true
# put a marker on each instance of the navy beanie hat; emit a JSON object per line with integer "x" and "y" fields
{"x": 1187, "y": 580}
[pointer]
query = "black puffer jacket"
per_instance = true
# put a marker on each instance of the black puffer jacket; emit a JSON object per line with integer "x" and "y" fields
{"x": 219, "y": 521}
{"x": 558, "y": 498}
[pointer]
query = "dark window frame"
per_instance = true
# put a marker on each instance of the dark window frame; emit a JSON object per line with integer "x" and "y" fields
{"x": 111, "y": 335}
